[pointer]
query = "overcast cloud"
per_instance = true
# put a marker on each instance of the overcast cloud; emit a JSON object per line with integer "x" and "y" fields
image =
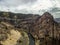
{"x": 31, "y": 6}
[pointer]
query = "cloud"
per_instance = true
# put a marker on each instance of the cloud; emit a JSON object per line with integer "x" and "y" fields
{"x": 15, "y": 2}
{"x": 30, "y": 6}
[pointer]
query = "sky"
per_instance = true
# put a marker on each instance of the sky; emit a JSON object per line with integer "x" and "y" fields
{"x": 31, "y": 6}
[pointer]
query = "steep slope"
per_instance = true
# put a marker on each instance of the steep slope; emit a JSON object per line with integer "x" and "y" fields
{"x": 9, "y": 35}
{"x": 46, "y": 28}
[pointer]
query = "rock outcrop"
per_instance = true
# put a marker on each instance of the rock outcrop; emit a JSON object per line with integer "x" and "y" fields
{"x": 12, "y": 36}
{"x": 46, "y": 28}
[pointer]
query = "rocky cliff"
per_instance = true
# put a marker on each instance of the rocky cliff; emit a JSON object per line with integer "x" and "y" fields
{"x": 46, "y": 28}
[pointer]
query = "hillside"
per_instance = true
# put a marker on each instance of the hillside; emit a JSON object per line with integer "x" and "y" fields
{"x": 46, "y": 29}
{"x": 43, "y": 29}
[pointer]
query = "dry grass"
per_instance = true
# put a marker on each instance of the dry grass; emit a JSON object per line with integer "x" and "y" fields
{"x": 12, "y": 38}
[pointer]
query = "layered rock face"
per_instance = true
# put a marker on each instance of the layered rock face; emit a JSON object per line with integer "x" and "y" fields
{"x": 45, "y": 24}
{"x": 46, "y": 28}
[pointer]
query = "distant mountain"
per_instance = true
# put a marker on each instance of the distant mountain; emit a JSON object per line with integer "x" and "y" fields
{"x": 18, "y": 19}
{"x": 18, "y": 15}
{"x": 57, "y": 20}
